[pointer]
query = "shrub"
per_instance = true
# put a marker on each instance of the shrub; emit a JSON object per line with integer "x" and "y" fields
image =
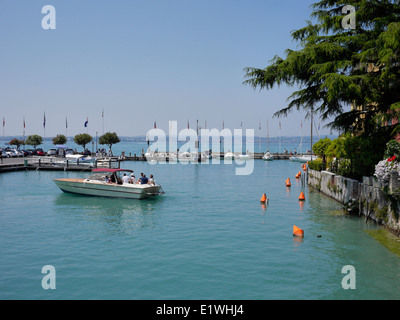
{"x": 316, "y": 165}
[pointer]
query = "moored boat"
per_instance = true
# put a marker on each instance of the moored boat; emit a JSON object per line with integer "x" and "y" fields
{"x": 303, "y": 158}
{"x": 97, "y": 185}
{"x": 268, "y": 156}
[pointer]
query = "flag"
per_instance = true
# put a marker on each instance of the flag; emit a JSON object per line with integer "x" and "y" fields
{"x": 155, "y": 125}
{"x": 279, "y": 125}
{"x": 44, "y": 120}
{"x": 4, "y": 122}
{"x": 66, "y": 122}
{"x": 24, "y": 122}
{"x": 223, "y": 125}
{"x": 102, "y": 114}
{"x": 188, "y": 124}
{"x": 86, "y": 122}
{"x": 259, "y": 126}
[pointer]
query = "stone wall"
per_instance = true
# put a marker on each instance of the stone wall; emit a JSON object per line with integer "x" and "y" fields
{"x": 367, "y": 198}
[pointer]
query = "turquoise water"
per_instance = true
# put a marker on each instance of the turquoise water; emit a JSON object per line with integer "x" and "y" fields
{"x": 208, "y": 237}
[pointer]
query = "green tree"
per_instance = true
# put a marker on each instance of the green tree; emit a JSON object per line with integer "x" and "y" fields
{"x": 16, "y": 142}
{"x": 336, "y": 67}
{"x": 83, "y": 139}
{"x": 336, "y": 148}
{"x": 109, "y": 139}
{"x": 59, "y": 139}
{"x": 320, "y": 148}
{"x": 34, "y": 140}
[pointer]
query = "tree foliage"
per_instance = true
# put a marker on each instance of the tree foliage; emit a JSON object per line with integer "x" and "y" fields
{"x": 336, "y": 67}
{"x": 83, "y": 139}
{"x": 34, "y": 140}
{"x": 16, "y": 142}
{"x": 59, "y": 139}
{"x": 109, "y": 139}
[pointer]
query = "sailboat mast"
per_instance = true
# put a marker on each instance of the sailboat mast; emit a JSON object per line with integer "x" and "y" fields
{"x": 311, "y": 131}
{"x": 267, "y": 135}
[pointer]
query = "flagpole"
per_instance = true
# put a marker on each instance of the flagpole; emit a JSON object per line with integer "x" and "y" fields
{"x": 23, "y": 133}
{"x": 66, "y": 128}
{"x": 44, "y": 126}
{"x": 4, "y": 123}
{"x": 102, "y": 115}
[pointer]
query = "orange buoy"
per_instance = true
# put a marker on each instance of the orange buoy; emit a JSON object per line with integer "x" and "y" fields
{"x": 298, "y": 232}
{"x": 288, "y": 184}
{"x": 299, "y": 173}
{"x": 264, "y": 198}
{"x": 302, "y": 197}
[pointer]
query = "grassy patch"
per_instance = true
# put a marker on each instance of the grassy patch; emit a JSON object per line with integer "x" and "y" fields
{"x": 388, "y": 239}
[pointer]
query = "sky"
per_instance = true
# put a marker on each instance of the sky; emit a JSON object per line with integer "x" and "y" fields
{"x": 142, "y": 62}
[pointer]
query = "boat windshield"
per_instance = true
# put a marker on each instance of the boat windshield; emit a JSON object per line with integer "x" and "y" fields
{"x": 99, "y": 176}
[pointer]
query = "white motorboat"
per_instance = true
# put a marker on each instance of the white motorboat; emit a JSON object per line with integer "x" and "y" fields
{"x": 236, "y": 156}
{"x": 268, "y": 156}
{"x": 303, "y": 158}
{"x": 97, "y": 185}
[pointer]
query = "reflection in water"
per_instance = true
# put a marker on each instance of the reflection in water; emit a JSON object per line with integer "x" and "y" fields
{"x": 119, "y": 215}
{"x": 297, "y": 241}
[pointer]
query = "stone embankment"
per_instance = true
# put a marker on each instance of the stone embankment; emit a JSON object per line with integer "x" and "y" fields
{"x": 367, "y": 198}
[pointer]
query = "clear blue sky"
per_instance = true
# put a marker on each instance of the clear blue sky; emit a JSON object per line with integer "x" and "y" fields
{"x": 144, "y": 61}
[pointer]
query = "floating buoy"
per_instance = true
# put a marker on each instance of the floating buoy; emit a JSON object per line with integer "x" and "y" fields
{"x": 288, "y": 184}
{"x": 302, "y": 197}
{"x": 298, "y": 232}
{"x": 299, "y": 173}
{"x": 264, "y": 198}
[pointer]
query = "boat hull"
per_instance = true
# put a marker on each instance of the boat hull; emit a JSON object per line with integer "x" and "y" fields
{"x": 302, "y": 159}
{"x": 90, "y": 188}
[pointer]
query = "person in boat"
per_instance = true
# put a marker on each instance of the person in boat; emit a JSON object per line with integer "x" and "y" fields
{"x": 125, "y": 179}
{"x": 143, "y": 179}
{"x": 151, "y": 180}
{"x": 107, "y": 179}
{"x": 132, "y": 178}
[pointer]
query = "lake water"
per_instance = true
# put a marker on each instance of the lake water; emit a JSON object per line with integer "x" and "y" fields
{"x": 207, "y": 237}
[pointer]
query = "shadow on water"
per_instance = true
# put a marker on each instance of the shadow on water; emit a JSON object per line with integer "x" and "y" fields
{"x": 122, "y": 214}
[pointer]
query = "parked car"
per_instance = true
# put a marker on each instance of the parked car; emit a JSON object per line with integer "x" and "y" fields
{"x": 39, "y": 152}
{"x": 25, "y": 152}
{"x": 51, "y": 152}
{"x": 4, "y": 154}
{"x": 10, "y": 153}
{"x": 32, "y": 152}
{"x": 18, "y": 153}
{"x": 69, "y": 151}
